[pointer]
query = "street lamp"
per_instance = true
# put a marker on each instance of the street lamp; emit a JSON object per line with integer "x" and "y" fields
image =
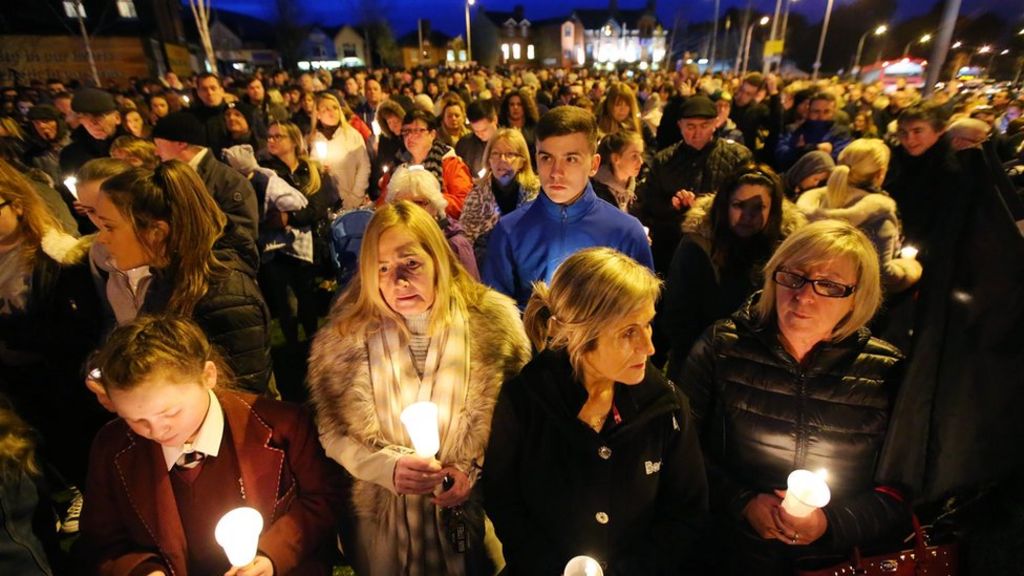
{"x": 750, "y": 34}
{"x": 924, "y": 40}
{"x": 469, "y": 33}
{"x": 882, "y": 29}
{"x": 821, "y": 39}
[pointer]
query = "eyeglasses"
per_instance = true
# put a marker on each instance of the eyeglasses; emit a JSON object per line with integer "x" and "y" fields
{"x": 826, "y": 288}
{"x": 413, "y": 131}
{"x": 506, "y": 156}
{"x": 276, "y": 136}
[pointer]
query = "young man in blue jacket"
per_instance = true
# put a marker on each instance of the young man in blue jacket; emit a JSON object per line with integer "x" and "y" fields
{"x": 529, "y": 243}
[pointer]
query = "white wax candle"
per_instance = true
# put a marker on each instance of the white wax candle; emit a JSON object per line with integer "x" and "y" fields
{"x": 71, "y": 183}
{"x": 805, "y": 492}
{"x": 238, "y": 533}
{"x": 583, "y": 566}
{"x": 420, "y": 420}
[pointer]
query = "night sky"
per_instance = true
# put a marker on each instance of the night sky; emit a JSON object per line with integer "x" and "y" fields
{"x": 448, "y": 15}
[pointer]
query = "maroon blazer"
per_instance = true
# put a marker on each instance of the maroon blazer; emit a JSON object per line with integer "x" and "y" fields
{"x": 130, "y": 520}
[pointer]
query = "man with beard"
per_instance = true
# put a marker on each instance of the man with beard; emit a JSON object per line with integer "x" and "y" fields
{"x": 697, "y": 165}
{"x": 46, "y": 137}
{"x": 819, "y": 132}
{"x": 101, "y": 123}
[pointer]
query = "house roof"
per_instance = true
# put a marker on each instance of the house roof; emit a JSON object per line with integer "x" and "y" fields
{"x": 249, "y": 30}
{"x": 436, "y": 38}
{"x": 595, "y": 18}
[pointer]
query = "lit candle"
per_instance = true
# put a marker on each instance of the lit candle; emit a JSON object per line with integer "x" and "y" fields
{"x": 385, "y": 169}
{"x": 420, "y": 420}
{"x": 185, "y": 99}
{"x": 71, "y": 183}
{"x": 806, "y": 491}
{"x": 481, "y": 173}
{"x": 583, "y": 566}
{"x": 320, "y": 149}
{"x": 909, "y": 252}
{"x": 238, "y": 533}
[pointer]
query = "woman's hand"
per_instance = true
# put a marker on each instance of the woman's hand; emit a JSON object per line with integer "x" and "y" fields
{"x": 261, "y": 566}
{"x": 459, "y": 491}
{"x": 759, "y": 513}
{"x": 417, "y": 475}
{"x": 799, "y": 531}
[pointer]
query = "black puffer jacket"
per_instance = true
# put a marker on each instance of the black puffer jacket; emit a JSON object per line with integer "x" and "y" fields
{"x": 761, "y": 415}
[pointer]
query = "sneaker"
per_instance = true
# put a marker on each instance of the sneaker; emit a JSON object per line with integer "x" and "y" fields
{"x": 70, "y": 523}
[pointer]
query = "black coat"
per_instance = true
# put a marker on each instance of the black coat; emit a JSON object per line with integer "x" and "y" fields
{"x": 236, "y": 198}
{"x": 233, "y": 316}
{"x": 761, "y": 415}
{"x": 83, "y": 148}
{"x": 632, "y": 496}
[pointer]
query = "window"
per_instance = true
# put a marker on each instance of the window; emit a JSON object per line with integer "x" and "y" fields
{"x": 126, "y": 9}
{"x": 74, "y": 9}
{"x": 530, "y": 54}
{"x": 348, "y": 50}
{"x": 451, "y": 55}
{"x": 567, "y": 31}
{"x": 517, "y": 51}
{"x": 504, "y": 51}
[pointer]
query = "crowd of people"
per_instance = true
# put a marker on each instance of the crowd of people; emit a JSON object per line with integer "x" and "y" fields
{"x": 637, "y": 300}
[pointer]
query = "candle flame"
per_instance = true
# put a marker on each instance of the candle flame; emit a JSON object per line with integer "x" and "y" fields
{"x": 822, "y": 473}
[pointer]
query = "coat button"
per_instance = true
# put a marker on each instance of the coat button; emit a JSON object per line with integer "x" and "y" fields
{"x": 601, "y": 518}
{"x": 604, "y": 452}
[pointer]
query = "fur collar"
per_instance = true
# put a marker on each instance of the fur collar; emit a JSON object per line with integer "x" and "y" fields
{"x": 64, "y": 248}
{"x": 863, "y": 206}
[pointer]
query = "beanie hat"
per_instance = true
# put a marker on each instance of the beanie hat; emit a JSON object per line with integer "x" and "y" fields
{"x": 809, "y": 164}
{"x": 181, "y": 127}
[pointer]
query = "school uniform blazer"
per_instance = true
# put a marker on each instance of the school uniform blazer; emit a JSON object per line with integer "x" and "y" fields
{"x": 130, "y": 521}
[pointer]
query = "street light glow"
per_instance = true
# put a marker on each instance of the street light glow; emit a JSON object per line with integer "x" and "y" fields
{"x": 957, "y": 44}
{"x": 926, "y": 38}
{"x": 984, "y": 50}
{"x": 881, "y": 30}
{"x": 765, "y": 20}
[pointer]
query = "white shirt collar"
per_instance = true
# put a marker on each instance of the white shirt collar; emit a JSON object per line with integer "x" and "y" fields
{"x": 194, "y": 162}
{"x": 207, "y": 439}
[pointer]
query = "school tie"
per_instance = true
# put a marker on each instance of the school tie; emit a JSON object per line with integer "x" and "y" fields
{"x": 189, "y": 460}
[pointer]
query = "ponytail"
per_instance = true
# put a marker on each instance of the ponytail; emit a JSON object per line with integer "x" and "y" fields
{"x": 538, "y": 317}
{"x": 838, "y": 187}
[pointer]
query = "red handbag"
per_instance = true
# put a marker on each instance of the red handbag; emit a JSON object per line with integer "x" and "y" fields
{"x": 921, "y": 560}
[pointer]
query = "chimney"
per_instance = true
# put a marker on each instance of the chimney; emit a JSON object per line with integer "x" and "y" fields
{"x": 518, "y": 12}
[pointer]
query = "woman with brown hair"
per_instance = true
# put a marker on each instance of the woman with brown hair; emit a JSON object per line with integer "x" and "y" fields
{"x": 519, "y": 111}
{"x": 159, "y": 229}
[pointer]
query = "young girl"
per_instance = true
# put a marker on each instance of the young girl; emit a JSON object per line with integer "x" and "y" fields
{"x": 185, "y": 451}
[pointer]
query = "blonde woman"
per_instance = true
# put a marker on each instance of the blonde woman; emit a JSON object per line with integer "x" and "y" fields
{"x": 412, "y": 326}
{"x": 592, "y": 450}
{"x": 345, "y": 158}
{"x": 794, "y": 380}
{"x": 853, "y": 194}
{"x": 508, "y": 183}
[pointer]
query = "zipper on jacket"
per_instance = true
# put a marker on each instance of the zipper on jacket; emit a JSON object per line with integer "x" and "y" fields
{"x": 800, "y": 454}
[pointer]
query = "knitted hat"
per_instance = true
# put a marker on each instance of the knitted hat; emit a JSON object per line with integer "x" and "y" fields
{"x": 181, "y": 127}
{"x": 809, "y": 164}
{"x": 698, "y": 106}
{"x": 93, "y": 101}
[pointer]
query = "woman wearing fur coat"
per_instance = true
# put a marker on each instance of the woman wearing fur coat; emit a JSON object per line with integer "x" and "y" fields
{"x": 853, "y": 194}
{"x": 727, "y": 238}
{"x": 413, "y": 326}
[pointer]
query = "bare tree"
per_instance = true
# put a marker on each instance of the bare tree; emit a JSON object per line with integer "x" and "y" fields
{"x": 201, "y": 12}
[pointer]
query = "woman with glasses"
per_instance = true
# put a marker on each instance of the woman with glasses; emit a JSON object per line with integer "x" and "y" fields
{"x": 508, "y": 183}
{"x": 424, "y": 148}
{"x": 794, "y": 380}
{"x": 341, "y": 150}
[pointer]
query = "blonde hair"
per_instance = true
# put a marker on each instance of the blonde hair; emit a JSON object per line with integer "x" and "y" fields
{"x": 361, "y": 308}
{"x": 295, "y": 135}
{"x": 818, "y": 243}
{"x": 859, "y": 165}
{"x": 526, "y": 177}
{"x": 35, "y": 219}
{"x": 17, "y": 445}
{"x": 592, "y": 289}
{"x": 139, "y": 149}
{"x": 416, "y": 181}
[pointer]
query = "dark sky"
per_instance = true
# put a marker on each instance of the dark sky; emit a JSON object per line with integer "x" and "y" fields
{"x": 449, "y": 16}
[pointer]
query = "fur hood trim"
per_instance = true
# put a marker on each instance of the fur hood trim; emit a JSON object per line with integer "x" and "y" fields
{"x": 342, "y": 393}
{"x": 64, "y": 248}
{"x": 862, "y": 207}
{"x": 697, "y": 224}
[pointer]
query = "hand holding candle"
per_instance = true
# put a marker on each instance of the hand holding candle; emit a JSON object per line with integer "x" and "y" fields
{"x": 71, "y": 183}
{"x": 320, "y": 150}
{"x": 806, "y": 492}
{"x": 909, "y": 252}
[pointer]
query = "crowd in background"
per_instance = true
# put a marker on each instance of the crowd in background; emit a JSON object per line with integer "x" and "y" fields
{"x": 439, "y": 232}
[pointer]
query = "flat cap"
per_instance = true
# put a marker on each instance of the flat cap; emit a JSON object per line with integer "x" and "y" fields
{"x": 93, "y": 101}
{"x": 698, "y": 106}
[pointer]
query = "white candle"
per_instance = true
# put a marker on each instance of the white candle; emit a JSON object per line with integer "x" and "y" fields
{"x": 583, "y": 566}
{"x": 385, "y": 169}
{"x": 482, "y": 172}
{"x": 909, "y": 252}
{"x": 805, "y": 492}
{"x": 320, "y": 149}
{"x": 420, "y": 420}
{"x": 71, "y": 183}
{"x": 238, "y": 533}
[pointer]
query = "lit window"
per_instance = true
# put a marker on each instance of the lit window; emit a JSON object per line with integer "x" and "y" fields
{"x": 516, "y": 52}
{"x": 530, "y": 55}
{"x": 126, "y": 9}
{"x": 74, "y": 9}
{"x": 504, "y": 51}
{"x": 451, "y": 55}
{"x": 462, "y": 55}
